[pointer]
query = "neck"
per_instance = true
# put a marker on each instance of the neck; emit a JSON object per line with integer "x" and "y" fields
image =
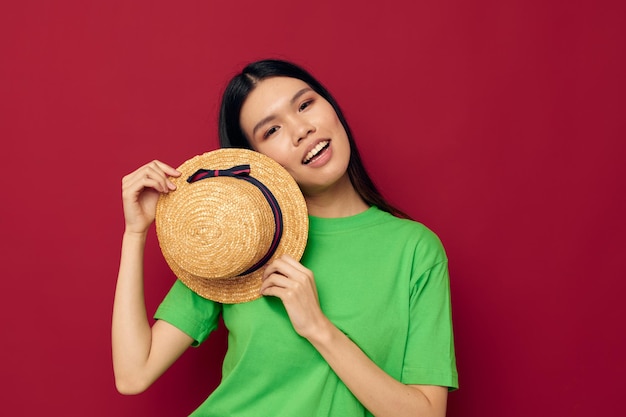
{"x": 341, "y": 200}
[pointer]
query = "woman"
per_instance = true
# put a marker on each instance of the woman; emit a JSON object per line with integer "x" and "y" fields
{"x": 360, "y": 326}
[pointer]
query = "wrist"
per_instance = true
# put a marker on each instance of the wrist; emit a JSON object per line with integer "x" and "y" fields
{"x": 135, "y": 235}
{"x": 324, "y": 334}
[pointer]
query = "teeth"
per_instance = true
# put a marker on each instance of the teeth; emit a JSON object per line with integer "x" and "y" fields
{"x": 315, "y": 151}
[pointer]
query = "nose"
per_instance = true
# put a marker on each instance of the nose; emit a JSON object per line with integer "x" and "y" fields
{"x": 302, "y": 129}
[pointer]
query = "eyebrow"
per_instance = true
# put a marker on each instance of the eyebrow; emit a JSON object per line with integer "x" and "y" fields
{"x": 272, "y": 116}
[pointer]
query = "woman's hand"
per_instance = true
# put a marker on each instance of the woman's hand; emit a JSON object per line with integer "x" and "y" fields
{"x": 294, "y": 284}
{"x": 383, "y": 395}
{"x": 140, "y": 192}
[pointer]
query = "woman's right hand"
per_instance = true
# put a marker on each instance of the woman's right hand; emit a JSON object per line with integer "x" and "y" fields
{"x": 140, "y": 193}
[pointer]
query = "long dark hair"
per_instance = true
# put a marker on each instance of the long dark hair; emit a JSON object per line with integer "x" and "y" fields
{"x": 232, "y": 136}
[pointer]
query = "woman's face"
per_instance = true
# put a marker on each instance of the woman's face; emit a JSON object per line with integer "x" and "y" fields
{"x": 288, "y": 121}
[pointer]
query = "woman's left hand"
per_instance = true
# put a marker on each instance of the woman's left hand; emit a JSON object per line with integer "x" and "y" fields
{"x": 294, "y": 284}
{"x": 380, "y": 393}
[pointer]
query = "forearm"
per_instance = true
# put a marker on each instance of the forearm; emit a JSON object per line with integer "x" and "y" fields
{"x": 131, "y": 333}
{"x": 381, "y": 394}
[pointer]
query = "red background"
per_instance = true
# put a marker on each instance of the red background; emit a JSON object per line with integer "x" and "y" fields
{"x": 499, "y": 124}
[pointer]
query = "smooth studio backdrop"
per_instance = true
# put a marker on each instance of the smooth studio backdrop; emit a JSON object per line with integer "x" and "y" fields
{"x": 498, "y": 124}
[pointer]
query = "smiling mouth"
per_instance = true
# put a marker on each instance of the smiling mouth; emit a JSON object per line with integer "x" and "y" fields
{"x": 315, "y": 151}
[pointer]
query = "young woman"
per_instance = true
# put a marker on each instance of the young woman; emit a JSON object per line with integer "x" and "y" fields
{"x": 360, "y": 326}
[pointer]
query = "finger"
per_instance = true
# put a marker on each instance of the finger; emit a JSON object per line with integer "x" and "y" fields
{"x": 167, "y": 171}
{"x": 289, "y": 260}
{"x": 274, "y": 291}
{"x": 287, "y": 265}
{"x": 286, "y": 289}
{"x": 279, "y": 266}
{"x": 151, "y": 184}
{"x": 275, "y": 280}
{"x": 156, "y": 170}
{"x": 147, "y": 177}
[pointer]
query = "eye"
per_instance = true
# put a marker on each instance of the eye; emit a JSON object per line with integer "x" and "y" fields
{"x": 305, "y": 104}
{"x": 269, "y": 132}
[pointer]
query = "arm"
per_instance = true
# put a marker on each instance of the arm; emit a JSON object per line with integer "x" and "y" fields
{"x": 381, "y": 394}
{"x": 140, "y": 353}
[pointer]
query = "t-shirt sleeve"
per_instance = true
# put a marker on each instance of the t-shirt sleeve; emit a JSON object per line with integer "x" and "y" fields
{"x": 430, "y": 357}
{"x": 192, "y": 314}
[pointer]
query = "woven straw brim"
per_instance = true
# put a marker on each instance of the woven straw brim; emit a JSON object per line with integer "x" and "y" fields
{"x": 213, "y": 230}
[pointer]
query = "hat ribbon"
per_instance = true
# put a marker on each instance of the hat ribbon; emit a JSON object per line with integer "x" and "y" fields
{"x": 242, "y": 172}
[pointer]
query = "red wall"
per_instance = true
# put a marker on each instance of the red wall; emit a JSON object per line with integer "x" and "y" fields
{"x": 499, "y": 124}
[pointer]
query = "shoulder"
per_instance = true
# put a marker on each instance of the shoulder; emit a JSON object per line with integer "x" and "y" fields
{"x": 418, "y": 232}
{"x": 422, "y": 242}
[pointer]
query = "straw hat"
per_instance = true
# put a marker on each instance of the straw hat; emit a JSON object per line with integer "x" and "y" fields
{"x": 224, "y": 222}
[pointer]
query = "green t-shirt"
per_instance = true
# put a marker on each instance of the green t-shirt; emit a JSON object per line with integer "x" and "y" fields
{"x": 381, "y": 280}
